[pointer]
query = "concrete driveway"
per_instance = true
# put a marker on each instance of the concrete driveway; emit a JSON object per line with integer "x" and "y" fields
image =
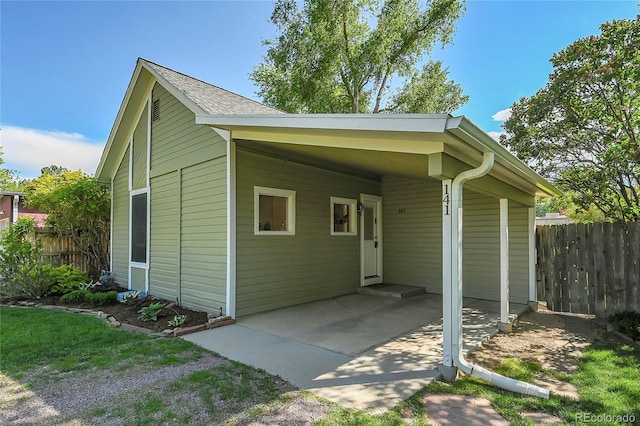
{"x": 361, "y": 351}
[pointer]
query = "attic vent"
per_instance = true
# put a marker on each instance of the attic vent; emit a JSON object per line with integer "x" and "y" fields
{"x": 155, "y": 113}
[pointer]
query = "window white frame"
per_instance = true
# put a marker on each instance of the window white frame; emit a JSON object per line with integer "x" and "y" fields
{"x": 353, "y": 215}
{"x": 291, "y": 209}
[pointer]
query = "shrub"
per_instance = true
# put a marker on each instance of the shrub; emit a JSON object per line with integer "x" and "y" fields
{"x": 22, "y": 271}
{"x": 151, "y": 312}
{"x": 66, "y": 278}
{"x": 627, "y": 322}
{"x": 177, "y": 321}
{"x": 76, "y": 297}
{"x": 79, "y": 297}
{"x": 103, "y": 299}
{"x": 130, "y": 298}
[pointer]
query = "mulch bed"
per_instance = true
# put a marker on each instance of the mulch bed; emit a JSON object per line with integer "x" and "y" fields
{"x": 128, "y": 314}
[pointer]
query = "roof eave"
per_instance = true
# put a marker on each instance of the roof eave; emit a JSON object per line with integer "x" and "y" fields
{"x": 466, "y": 130}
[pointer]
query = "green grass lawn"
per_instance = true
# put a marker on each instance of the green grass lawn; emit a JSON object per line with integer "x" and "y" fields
{"x": 607, "y": 380}
{"x": 31, "y": 338}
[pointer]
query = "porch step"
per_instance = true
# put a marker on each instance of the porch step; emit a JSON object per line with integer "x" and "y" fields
{"x": 397, "y": 291}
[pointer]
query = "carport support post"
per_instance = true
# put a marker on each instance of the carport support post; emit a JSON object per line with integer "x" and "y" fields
{"x": 504, "y": 325}
{"x": 447, "y": 369}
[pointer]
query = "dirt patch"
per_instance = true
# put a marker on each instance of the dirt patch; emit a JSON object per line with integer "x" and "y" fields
{"x": 555, "y": 340}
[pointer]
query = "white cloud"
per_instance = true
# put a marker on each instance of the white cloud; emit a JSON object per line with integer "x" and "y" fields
{"x": 502, "y": 115}
{"x": 495, "y": 135}
{"x": 29, "y": 150}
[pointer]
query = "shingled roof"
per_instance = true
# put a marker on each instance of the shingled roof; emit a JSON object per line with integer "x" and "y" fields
{"x": 211, "y": 99}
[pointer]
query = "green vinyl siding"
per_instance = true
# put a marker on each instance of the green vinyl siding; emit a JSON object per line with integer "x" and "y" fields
{"x": 188, "y": 208}
{"x": 413, "y": 232}
{"x": 120, "y": 225}
{"x": 138, "y": 279}
{"x": 275, "y": 271}
{"x": 481, "y": 246}
{"x": 177, "y": 141}
{"x": 165, "y": 229}
{"x": 203, "y": 238}
{"x": 139, "y": 171}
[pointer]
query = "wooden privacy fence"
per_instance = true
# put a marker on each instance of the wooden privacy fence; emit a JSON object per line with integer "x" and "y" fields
{"x": 61, "y": 250}
{"x": 589, "y": 268}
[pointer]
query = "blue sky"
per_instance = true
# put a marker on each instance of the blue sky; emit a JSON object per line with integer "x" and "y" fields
{"x": 65, "y": 66}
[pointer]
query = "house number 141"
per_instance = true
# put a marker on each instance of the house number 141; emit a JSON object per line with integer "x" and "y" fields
{"x": 446, "y": 199}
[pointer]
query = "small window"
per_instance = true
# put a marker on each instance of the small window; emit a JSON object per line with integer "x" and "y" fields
{"x": 139, "y": 228}
{"x": 274, "y": 211}
{"x": 344, "y": 216}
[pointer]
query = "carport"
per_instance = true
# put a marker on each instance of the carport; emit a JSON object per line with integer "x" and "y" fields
{"x": 361, "y": 351}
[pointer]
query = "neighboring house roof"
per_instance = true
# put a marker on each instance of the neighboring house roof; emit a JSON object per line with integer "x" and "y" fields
{"x": 39, "y": 217}
{"x": 341, "y": 139}
{"x": 553, "y": 219}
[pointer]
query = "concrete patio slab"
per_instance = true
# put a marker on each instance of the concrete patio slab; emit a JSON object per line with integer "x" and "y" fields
{"x": 350, "y": 324}
{"x": 360, "y": 351}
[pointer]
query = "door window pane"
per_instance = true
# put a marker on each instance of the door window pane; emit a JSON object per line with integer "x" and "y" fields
{"x": 368, "y": 223}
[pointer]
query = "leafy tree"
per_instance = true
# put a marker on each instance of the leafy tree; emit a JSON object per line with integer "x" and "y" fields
{"x": 429, "y": 91}
{"x": 8, "y": 178}
{"x": 583, "y": 128}
{"x": 78, "y": 206}
{"x": 22, "y": 272}
{"x": 329, "y": 59}
{"x": 563, "y": 203}
{"x": 53, "y": 170}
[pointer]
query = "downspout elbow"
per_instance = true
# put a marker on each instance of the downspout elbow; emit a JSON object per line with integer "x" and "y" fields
{"x": 499, "y": 380}
{"x": 488, "y": 159}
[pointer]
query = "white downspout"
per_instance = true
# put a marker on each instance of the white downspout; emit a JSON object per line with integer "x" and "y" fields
{"x": 456, "y": 289}
{"x": 16, "y": 208}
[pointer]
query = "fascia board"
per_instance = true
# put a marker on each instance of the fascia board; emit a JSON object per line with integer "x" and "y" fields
{"x": 432, "y": 123}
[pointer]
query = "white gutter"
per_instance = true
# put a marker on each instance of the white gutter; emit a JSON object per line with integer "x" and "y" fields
{"x": 456, "y": 289}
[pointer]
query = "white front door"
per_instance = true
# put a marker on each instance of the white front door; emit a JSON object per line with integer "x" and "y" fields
{"x": 371, "y": 239}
